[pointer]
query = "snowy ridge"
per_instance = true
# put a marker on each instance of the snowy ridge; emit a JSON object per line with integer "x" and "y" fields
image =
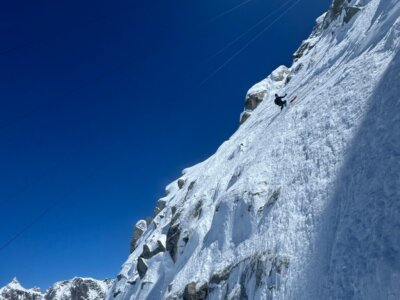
{"x": 14, "y": 290}
{"x": 298, "y": 204}
{"x": 75, "y": 289}
{"x": 79, "y": 288}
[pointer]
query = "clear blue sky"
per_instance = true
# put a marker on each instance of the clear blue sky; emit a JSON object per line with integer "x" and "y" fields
{"x": 108, "y": 91}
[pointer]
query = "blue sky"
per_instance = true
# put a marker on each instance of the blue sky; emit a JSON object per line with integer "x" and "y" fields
{"x": 101, "y": 108}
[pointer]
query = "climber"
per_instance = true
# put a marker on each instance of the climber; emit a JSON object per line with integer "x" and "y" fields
{"x": 278, "y": 101}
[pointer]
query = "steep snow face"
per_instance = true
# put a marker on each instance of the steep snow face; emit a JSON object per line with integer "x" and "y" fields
{"x": 298, "y": 204}
{"x": 74, "y": 289}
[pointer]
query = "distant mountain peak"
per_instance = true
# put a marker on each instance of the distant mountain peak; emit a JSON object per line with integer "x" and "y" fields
{"x": 77, "y": 288}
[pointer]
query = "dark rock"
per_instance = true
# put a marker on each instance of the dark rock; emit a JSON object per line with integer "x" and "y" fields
{"x": 173, "y": 210}
{"x": 262, "y": 269}
{"x": 116, "y": 293}
{"x": 217, "y": 278}
{"x": 197, "y": 209}
{"x": 274, "y": 197}
{"x": 173, "y": 235}
{"x": 253, "y": 100}
{"x": 351, "y": 11}
{"x": 181, "y": 183}
{"x": 161, "y": 204}
{"x": 244, "y": 117}
{"x": 141, "y": 267}
{"x": 120, "y": 277}
{"x": 146, "y": 254}
{"x": 271, "y": 200}
{"x": 336, "y": 7}
{"x": 243, "y": 292}
{"x": 191, "y": 293}
{"x": 189, "y": 190}
{"x": 149, "y": 220}
{"x": 161, "y": 246}
{"x": 175, "y": 217}
{"x": 138, "y": 231}
{"x": 301, "y": 51}
{"x": 191, "y": 185}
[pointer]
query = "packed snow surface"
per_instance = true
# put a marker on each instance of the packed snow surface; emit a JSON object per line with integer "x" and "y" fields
{"x": 298, "y": 204}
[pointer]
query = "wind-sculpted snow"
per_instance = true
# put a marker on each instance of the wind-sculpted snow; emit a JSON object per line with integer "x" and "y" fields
{"x": 298, "y": 204}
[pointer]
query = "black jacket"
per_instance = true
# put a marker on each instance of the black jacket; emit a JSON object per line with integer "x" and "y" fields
{"x": 278, "y": 99}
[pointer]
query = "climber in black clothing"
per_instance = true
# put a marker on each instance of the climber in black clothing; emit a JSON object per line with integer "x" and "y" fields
{"x": 279, "y": 101}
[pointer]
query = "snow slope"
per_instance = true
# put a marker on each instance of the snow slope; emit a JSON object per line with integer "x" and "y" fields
{"x": 299, "y": 204}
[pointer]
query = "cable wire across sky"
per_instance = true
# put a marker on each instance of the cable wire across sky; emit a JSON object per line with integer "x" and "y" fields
{"x": 223, "y": 14}
{"x": 266, "y": 17}
{"x": 213, "y": 73}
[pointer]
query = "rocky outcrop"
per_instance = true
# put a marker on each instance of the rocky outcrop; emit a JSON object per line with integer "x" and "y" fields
{"x": 142, "y": 267}
{"x": 241, "y": 280}
{"x": 263, "y": 89}
{"x": 161, "y": 203}
{"x": 192, "y": 293}
{"x": 264, "y": 269}
{"x": 339, "y": 13}
{"x": 139, "y": 229}
{"x": 173, "y": 235}
{"x": 253, "y": 100}
{"x": 181, "y": 183}
{"x": 340, "y": 10}
{"x": 149, "y": 252}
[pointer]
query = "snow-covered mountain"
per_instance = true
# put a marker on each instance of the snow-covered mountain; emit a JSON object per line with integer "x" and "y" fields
{"x": 74, "y": 289}
{"x": 15, "y": 291}
{"x": 298, "y": 204}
